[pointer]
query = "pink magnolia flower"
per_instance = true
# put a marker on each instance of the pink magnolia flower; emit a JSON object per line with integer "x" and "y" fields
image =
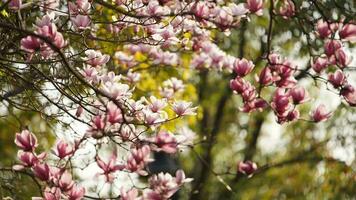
{"x": 174, "y": 83}
{"x": 76, "y": 193}
{"x": 183, "y": 108}
{"x": 84, "y": 5}
{"x": 117, "y": 90}
{"x": 349, "y": 93}
{"x": 15, "y": 4}
{"x": 223, "y": 18}
{"x": 90, "y": 73}
{"x": 65, "y": 181}
{"x": 323, "y": 29}
{"x": 81, "y": 22}
{"x": 287, "y": 10}
{"x": 238, "y": 9}
{"x": 281, "y": 105}
{"x": 52, "y": 194}
{"x": 165, "y": 142}
{"x": 95, "y": 58}
{"x": 26, "y": 140}
{"x": 152, "y": 118}
{"x": 255, "y": 6}
{"x": 131, "y": 194}
{"x": 63, "y": 149}
{"x": 320, "y": 113}
{"x": 274, "y": 59}
{"x": 243, "y": 67}
{"x": 256, "y": 104}
{"x": 138, "y": 159}
{"x": 113, "y": 113}
{"x": 180, "y": 177}
{"x": 127, "y": 132}
{"x": 41, "y": 171}
{"x": 164, "y": 185}
{"x": 331, "y": 46}
{"x": 150, "y": 194}
{"x": 348, "y": 32}
{"x": 249, "y": 94}
{"x": 299, "y": 95}
{"x": 266, "y": 76}
{"x": 109, "y": 167}
{"x": 30, "y": 44}
{"x": 238, "y": 85}
{"x": 156, "y": 105}
{"x": 51, "y": 32}
{"x": 320, "y": 64}
{"x": 97, "y": 126}
{"x": 28, "y": 159}
{"x": 337, "y": 78}
{"x": 247, "y": 167}
{"x": 293, "y": 115}
{"x": 341, "y": 58}
{"x": 133, "y": 77}
{"x": 201, "y": 10}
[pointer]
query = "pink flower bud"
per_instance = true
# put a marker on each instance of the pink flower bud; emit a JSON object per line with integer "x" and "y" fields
{"x": 349, "y": 93}
{"x": 255, "y": 6}
{"x": 26, "y": 140}
{"x": 76, "y": 193}
{"x": 348, "y": 32}
{"x": 243, "y": 67}
{"x": 79, "y": 111}
{"x": 41, "y": 171}
{"x": 247, "y": 167}
{"x": 287, "y": 10}
{"x": 337, "y": 78}
{"x": 15, "y": 4}
{"x": 299, "y": 95}
{"x": 320, "y": 64}
{"x": 280, "y": 103}
{"x": 266, "y": 76}
{"x": 293, "y": 115}
{"x": 323, "y": 29}
{"x": 331, "y": 46}
{"x": 320, "y": 113}
{"x": 341, "y": 58}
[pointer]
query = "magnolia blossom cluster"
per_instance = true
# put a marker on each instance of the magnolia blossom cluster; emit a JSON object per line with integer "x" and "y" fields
{"x": 287, "y": 96}
{"x": 161, "y": 186}
{"x": 45, "y": 29}
{"x": 335, "y": 58}
{"x": 79, "y": 12}
{"x": 58, "y": 180}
